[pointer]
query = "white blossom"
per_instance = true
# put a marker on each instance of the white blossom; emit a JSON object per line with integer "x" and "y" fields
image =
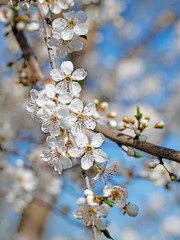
{"x": 90, "y": 214}
{"x": 132, "y": 210}
{"x": 87, "y": 151}
{"x": 67, "y": 78}
{"x": 71, "y": 24}
{"x": 6, "y": 14}
{"x": 117, "y": 193}
{"x": 84, "y": 115}
{"x": 55, "y": 154}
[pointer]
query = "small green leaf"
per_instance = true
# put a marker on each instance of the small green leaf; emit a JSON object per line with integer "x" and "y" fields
{"x": 84, "y": 36}
{"x": 106, "y": 233}
{"x": 138, "y": 155}
{"x": 139, "y": 115}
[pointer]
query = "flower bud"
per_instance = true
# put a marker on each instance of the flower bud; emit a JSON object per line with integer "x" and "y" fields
{"x": 147, "y": 117}
{"x": 111, "y": 114}
{"x": 120, "y": 126}
{"x": 130, "y": 152}
{"x": 132, "y": 120}
{"x": 96, "y": 115}
{"x": 126, "y": 119}
{"x": 132, "y": 210}
{"x": 112, "y": 123}
{"x": 25, "y": 6}
{"x": 142, "y": 138}
{"x": 103, "y": 106}
{"x": 96, "y": 101}
{"x": 138, "y": 132}
{"x": 160, "y": 124}
{"x": 31, "y": 27}
{"x": 20, "y": 26}
{"x": 172, "y": 176}
{"x": 152, "y": 164}
{"x": 90, "y": 199}
{"x": 88, "y": 192}
{"x": 144, "y": 123}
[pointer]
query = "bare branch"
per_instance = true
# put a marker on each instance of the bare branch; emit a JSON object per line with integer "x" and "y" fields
{"x": 123, "y": 139}
{"x": 47, "y": 35}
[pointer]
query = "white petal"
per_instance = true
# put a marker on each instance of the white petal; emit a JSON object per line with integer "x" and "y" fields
{"x": 52, "y": 142}
{"x": 79, "y": 74}
{"x": 81, "y": 140}
{"x": 76, "y": 88}
{"x": 50, "y": 90}
{"x": 68, "y": 121}
{"x": 99, "y": 156}
{"x": 90, "y": 123}
{"x": 80, "y": 17}
{"x": 79, "y": 29}
{"x": 86, "y": 161}
{"x": 76, "y": 152}
{"x": 67, "y": 67}
{"x": 97, "y": 140}
{"x": 81, "y": 202}
{"x": 59, "y": 23}
{"x": 100, "y": 223}
{"x": 107, "y": 190}
{"x": 45, "y": 8}
{"x": 69, "y": 15}
{"x": 89, "y": 109}
{"x": 104, "y": 210}
{"x": 78, "y": 214}
{"x": 66, "y": 162}
{"x": 55, "y": 8}
{"x": 77, "y": 45}
{"x": 65, "y": 98}
{"x": 67, "y": 33}
{"x": 56, "y": 74}
{"x": 58, "y": 167}
{"x": 76, "y": 105}
{"x": 76, "y": 128}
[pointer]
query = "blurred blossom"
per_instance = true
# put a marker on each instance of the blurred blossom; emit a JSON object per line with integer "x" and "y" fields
{"x": 170, "y": 226}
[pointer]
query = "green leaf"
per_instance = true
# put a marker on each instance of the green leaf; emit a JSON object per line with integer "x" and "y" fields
{"x": 84, "y": 36}
{"x": 106, "y": 233}
{"x": 138, "y": 155}
{"x": 139, "y": 115}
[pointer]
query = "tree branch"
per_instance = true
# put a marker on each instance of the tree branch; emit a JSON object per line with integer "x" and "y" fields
{"x": 123, "y": 139}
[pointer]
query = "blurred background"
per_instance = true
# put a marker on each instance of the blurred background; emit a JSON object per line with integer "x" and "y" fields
{"x": 132, "y": 56}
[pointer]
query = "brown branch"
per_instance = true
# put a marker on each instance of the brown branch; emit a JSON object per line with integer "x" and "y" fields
{"x": 123, "y": 139}
{"x": 28, "y": 54}
{"x": 47, "y": 35}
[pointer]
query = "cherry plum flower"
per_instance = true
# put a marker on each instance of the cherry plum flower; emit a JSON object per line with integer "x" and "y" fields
{"x": 70, "y": 25}
{"x": 84, "y": 116}
{"x": 67, "y": 78}
{"x": 87, "y": 150}
{"x": 90, "y": 214}
{"x": 55, "y": 154}
{"x": 64, "y": 47}
{"x": 51, "y": 117}
{"x": 117, "y": 193}
{"x": 6, "y": 14}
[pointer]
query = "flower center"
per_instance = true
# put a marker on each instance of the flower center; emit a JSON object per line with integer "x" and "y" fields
{"x": 80, "y": 117}
{"x": 89, "y": 149}
{"x": 54, "y": 118}
{"x": 68, "y": 78}
{"x": 47, "y": 2}
{"x": 71, "y": 23}
{"x": 55, "y": 100}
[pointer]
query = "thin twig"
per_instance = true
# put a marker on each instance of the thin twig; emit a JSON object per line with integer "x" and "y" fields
{"x": 47, "y": 35}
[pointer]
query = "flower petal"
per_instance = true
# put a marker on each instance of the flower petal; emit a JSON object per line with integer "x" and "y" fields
{"x": 67, "y": 67}
{"x": 90, "y": 123}
{"x": 81, "y": 140}
{"x": 97, "y": 140}
{"x": 87, "y": 161}
{"x": 89, "y": 109}
{"x": 66, "y": 162}
{"x": 56, "y": 74}
{"x": 76, "y": 88}
{"x": 76, "y": 105}
{"x": 99, "y": 156}
{"x": 76, "y": 152}
{"x": 79, "y": 74}
{"x": 79, "y": 29}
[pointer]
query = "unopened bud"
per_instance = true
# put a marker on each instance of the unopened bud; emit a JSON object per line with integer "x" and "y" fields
{"x": 121, "y": 126}
{"x": 25, "y": 6}
{"x": 90, "y": 199}
{"x": 112, "y": 123}
{"x": 152, "y": 164}
{"x": 20, "y": 26}
{"x": 160, "y": 124}
{"x": 103, "y": 106}
{"x": 111, "y": 114}
{"x": 144, "y": 123}
{"x": 147, "y": 117}
{"x": 138, "y": 132}
{"x": 142, "y": 138}
{"x": 126, "y": 119}
{"x": 96, "y": 101}
{"x": 130, "y": 152}
{"x": 132, "y": 210}
{"x": 132, "y": 120}
{"x": 172, "y": 176}
{"x": 88, "y": 192}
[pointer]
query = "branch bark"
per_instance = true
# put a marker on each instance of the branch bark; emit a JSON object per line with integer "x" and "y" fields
{"x": 123, "y": 139}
